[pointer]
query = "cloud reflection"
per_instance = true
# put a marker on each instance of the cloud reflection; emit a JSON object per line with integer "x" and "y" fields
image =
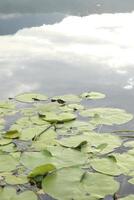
{"x": 105, "y": 41}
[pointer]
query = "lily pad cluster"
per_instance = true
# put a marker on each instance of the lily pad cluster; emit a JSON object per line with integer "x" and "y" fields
{"x": 52, "y": 146}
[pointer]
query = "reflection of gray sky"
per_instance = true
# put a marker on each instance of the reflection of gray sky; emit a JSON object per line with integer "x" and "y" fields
{"x": 11, "y": 23}
{"x": 15, "y": 14}
{"x": 66, "y": 6}
{"x": 74, "y": 55}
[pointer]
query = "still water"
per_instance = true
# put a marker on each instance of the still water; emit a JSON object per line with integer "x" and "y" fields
{"x": 68, "y": 48}
{"x": 65, "y": 47}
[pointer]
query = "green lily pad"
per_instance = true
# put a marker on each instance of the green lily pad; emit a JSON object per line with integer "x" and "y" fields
{"x": 12, "y": 134}
{"x": 74, "y": 183}
{"x": 15, "y": 180}
{"x": 9, "y": 193}
{"x": 58, "y": 156}
{"x": 131, "y": 181}
{"x": 107, "y": 116}
{"x": 41, "y": 170}
{"x": 129, "y": 197}
{"x": 65, "y": 157}
{"x": 129, "y": 144}
{"x": 8, "y": 148}
{"x": 28, "y": 111}
{"x": 48, "y": 138}
{"x": 7, "y": 105}
{"x": 30, "y": 133}
{"x": 106, "y": 166}
{"x": 30, "y": 97}
{"x": 127, "y": 166}
{"x": 7, "y": 163}
{"x": 47, "y": 107}
{"x": 4, "y": 141}
{"x": 95, "y": 140}
{"x": 72, "y": 142}
{"x": 32, "y": 160}
{"x": 62, "y": 117}
{"x": 93, "y": 95}
{"x": 67, "y": 98}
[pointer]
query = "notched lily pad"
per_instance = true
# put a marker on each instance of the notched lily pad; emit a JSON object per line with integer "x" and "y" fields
{"x": 106, "y": 166}
{"x": 129, "y": 197}
{"x": 93, "y": 95}
{"x": 8, "y": 193}
{"x": 41, "y": 170}
{"x": 12, "y": 134}
{"x": 67, "y": 98}
{"x": 71, "y": 183}
{"x": 30, "y": 97}
{"x": 61, "y": 117}
{"x": 107, "y": 116}
{"x": 7, "y": 163}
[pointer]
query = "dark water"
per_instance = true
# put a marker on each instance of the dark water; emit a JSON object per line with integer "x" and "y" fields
{"x": 58, "y": 47}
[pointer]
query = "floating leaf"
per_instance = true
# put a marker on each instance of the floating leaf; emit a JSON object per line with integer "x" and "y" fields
{"x": 15, "y": 180}
{"x": 107, "y": 116}
{"x": 125, "y": 162}
{"x": 7, "y": 105}
{"x": 41, "y": 170}
{"x": 32, "y": 160}
{"x": 62, "y": 117}
{"x": 7, "y": 163}
{"x": 95, "y": 140}
{"x": 30, "y": 97}
{"x": 8, "y": 148}
{"x": 30, "y": 133}
{"x": 129, "y": 197}
{"x": 129, "y": 144}
{"x": 67, "y": 98}
{"x": 71, "y": 107}
{"x": 65, "y": 157}
{"x": 131, "y": 181}
{"x": 68, "y": 184}
{"x": 48, "y": 138}
{"x": 12, "y": 134}
{"x": 55, "y": 155}
{"x": 48, "y": 107}
{"x": 4, "y": 141}
{"x": 106, "y": 166}
{"x": 93, "y": 95}
{"x": 9, "y": 193}
{"x": 72, "y": 142}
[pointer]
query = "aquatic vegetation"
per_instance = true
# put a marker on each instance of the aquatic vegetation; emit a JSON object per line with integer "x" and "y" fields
{"x": 54, "y": 146}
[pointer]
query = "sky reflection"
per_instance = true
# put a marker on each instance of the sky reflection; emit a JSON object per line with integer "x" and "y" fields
{"x": 77, "y": 54}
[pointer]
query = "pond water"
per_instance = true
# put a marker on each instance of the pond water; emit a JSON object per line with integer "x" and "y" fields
{"x": 68, "y": 48}
{"x": 63, "y": 47}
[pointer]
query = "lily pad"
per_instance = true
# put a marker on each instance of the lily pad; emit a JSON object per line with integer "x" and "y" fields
{"x": 7, "y": 163}
{"x": 42, "y": 170}
{"x": 30, "y": 133}
{"x": 127, "y": 166}
{"x": 4, "y": 141}
{"x": 129, "y": 197}
{"x": 30, "y": 97}
{"x": 74, "y": 183}
{"x": 131, "y": 181}
{"x": 62, "y": 117}
{"x": 93, "y": 95}
{"x": 12, "y": 134}
{"x": 107, "y": 116}
{"x": 106, "y": 166}
{"x": 15, "y": 180}
{"x": 9, "y": 193}
{"x": 72, "y": 142}
{"x": 67, "y": 98}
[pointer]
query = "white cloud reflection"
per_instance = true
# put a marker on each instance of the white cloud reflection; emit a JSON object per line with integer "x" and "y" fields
{"x": 103, "y": 40}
